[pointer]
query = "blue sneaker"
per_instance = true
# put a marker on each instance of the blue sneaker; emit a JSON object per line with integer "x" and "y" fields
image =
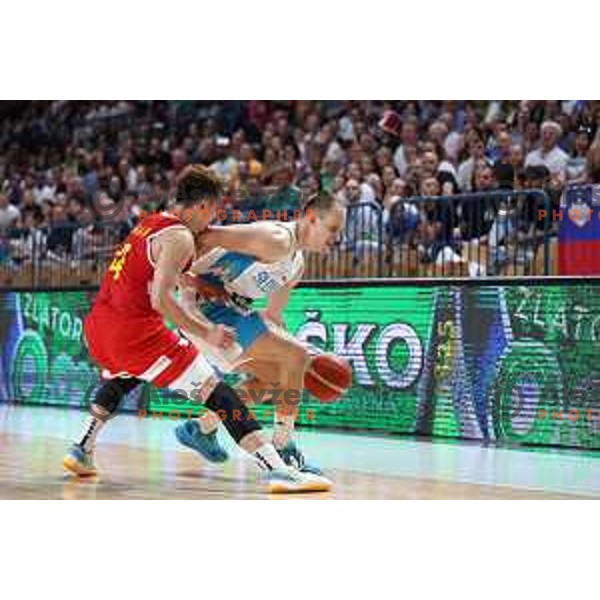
{"x": 288, "y": 480}
{"x": 79, "y": 462}
{"x": 206, "y": 444}
{"x": 293, "y": 457}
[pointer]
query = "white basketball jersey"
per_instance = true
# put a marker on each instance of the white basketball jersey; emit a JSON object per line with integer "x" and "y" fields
{"x": 245, "y": 276}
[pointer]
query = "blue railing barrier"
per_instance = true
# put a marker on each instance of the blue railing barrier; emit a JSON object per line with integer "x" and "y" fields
{"x": 494, "y": 233}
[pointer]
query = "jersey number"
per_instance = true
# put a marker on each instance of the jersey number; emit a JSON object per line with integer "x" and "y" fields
{"x": 117, "y": 263}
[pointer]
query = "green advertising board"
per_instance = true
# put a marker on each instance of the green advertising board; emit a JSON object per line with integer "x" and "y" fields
{"x": 479, "y": 360}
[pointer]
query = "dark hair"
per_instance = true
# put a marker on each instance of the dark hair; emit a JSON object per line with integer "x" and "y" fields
{"x": 505, "y": 175}
{"x": 195, "y": 184}
{"x": 587, "y": 131}
{"x": 536, "y": 172}
{"x": 321, "y": 202}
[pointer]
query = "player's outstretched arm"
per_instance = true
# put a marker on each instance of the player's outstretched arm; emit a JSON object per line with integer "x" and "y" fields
{"x": 276, "y": 303}
{"x": 188, "y": 294}
{"x": 266, "y": 241}
{"x": 173, "y": 251}
{"x": 279, "y": 299}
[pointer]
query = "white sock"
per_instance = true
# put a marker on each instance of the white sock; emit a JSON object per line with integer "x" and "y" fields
{"x": 283, "y": 428}
{"x": 91, "y": 428}
{"x": 267, "y": 458}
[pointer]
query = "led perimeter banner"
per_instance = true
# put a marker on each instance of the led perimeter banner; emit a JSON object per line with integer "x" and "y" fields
{"x": 510, "y": 363}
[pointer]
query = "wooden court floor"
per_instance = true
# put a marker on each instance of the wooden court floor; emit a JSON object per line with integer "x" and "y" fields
{"x": 140, "y": 459}
{"x": 128, "y": 473}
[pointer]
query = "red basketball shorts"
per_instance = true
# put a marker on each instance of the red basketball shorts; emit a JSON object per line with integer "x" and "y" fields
{"x": 144, "y": 348}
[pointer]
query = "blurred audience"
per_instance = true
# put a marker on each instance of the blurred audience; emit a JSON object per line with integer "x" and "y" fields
{"x": 63, "y": 163}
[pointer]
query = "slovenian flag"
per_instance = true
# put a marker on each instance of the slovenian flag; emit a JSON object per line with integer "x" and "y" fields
{"x": 579, "y": 232}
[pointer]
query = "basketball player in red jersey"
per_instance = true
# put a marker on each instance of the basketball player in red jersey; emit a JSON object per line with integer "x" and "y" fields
{"x": 126, "y": 334}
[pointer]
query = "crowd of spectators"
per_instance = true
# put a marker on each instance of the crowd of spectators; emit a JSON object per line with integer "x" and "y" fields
{"x": 63, "y": 163}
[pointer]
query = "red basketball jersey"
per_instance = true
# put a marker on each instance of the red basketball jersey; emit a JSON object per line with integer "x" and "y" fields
{"x": 125, "y": 288}
{"x": 124, "y": 334}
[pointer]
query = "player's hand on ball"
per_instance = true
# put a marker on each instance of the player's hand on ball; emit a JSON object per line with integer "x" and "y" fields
{"x": 221, "y": 337}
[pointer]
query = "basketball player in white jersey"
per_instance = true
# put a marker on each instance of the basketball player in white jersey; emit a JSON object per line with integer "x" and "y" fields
{"x": 238, "y": 264}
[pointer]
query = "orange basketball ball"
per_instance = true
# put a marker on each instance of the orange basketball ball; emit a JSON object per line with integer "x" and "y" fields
{"x": 328, "y": 376}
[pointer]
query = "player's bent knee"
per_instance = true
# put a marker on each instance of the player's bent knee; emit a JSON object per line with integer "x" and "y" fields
{"x": 197, "y": 382}
{"x": 298, "y": 358}
{"x": 111, "y": 393}
{"x": 234, "y": 414}
{"x": 293, "y": 369}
